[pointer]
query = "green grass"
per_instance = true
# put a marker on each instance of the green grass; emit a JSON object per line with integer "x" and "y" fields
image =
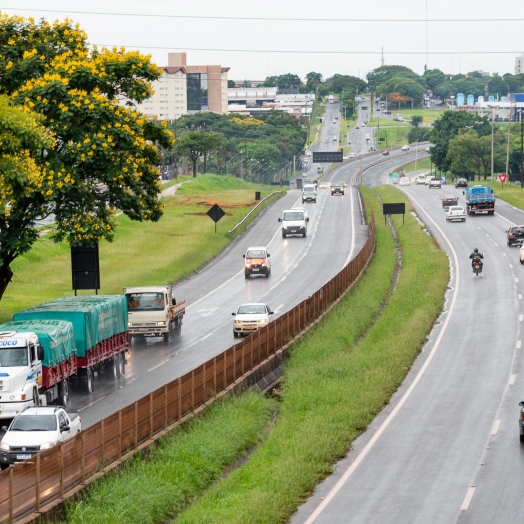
{"x": 395, "y": 137}
{"x": 332, "y": 389}
{"x": 142, "y": 253}
{"x": 424, "y": 163}
{"x": 157, "y": 488}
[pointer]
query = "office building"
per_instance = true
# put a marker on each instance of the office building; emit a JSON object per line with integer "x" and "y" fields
{"x": 183, "y": 89}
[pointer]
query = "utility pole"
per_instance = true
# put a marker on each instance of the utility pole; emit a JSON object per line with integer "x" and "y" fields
{"x": 175, "y": 158}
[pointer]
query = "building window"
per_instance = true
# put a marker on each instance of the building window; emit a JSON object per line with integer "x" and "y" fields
{"x": 197, "y": 92}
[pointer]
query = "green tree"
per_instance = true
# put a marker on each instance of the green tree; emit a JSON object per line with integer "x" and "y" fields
{"x": 198, "y": 144}
{"x": 22, "y": 201}
{"x": 433, "y": 77}
{"x": 416, "y": 120}
{"x": 447, "y": 127}
{"x": 497, "y": 86}
{"x": 104, "y": 154}
{"x": 230, "y": 84}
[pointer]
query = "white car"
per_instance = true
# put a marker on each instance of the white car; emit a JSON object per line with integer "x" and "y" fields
{"x": 404, "y": 181}
{"x": 456, "y": 213}
{"x": 521, "y": 254}
{"x": 351, "y": 155}
{"x": 251, "y": 317}
{"x": 421, "y": 179}
{"x": 428, "y": 179}
{"x": 426, "y": 150}
{"x": 335, "y": 139}
{"x": 405, "y": 147}
{"x": 435, "y": 183}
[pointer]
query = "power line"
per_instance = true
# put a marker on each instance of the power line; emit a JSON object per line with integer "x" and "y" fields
{"x": 182, "y": 48}
{"x": 271, "y": 19}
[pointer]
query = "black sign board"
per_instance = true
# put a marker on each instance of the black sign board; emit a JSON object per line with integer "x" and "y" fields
{"x": 394, "y": 209}
{"x": 215, "y": 214}
{"x": 321, "y": 157}
{"x": 85, "y": 267}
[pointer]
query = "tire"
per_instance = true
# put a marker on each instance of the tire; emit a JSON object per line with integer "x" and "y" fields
{"x": 63, "y": 394}
{"x": 509, "y": 243}
{"x": 178, "y": 326}
{"x": 235, "y": 334}
{"x": 522, "y": 438}
{"x": 90, "y": 381}
{"x": 522, "y": 261}
{"x": 166, "y": 338}
{"x": 463, "y": 220}
{"x": 247, "y": 276}
{"x": 304, "y": 234}
{"x": 116, "y": 368}
{"x": 283, "y": 235}
{"x": 122, "y": 363}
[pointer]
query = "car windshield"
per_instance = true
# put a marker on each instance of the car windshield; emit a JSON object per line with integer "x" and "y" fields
{"x": 251, "y": 309}
{"x": 336, "y": 184}
{"x": 256, "y": 253}
{"x": 13, "y": 357}
{"x": 145, "y": 302}
{"x": 518, "y": 229}
{"x": 456, "y": 208}
{"x": 34, "y": 423}
{"x": 293, "y": 215}
{"x": 309, "y": 190}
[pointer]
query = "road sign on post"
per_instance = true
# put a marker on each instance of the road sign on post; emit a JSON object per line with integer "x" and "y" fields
{"x": 321, "y": 157}
{"x": 502, "y": 178}
{"x": 215, "y": 214}
{"x": 394, "y": 209}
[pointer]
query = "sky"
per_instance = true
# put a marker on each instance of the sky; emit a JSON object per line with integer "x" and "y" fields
{"x": 331, "y": 36}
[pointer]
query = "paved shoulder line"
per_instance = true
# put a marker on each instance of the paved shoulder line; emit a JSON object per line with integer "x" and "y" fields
{"x": 406, "y": 395}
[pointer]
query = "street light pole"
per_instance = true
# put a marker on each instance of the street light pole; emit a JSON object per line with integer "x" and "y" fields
{"x": 492, "y": 143}
{"x": 521, "y": 150}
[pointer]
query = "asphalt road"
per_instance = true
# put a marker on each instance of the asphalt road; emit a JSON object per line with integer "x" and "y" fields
{"x": 447, "y": 447}
{"x": 299, "y": 267}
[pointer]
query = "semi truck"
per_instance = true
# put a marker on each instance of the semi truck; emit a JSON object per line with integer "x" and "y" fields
{"x": 480, "y": 199}
{"x": 95, "y": 340}
{"x": 154, "y": 312}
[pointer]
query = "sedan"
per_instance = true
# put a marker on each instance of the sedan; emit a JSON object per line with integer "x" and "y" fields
{"x": 515, "y": 235}
{"x": 435, "y": 182}
{"x": 461, "y": 182}
{"x": 405, "y": 181}
{"x": 405, "y": 147}
{"x": 449, "y": 200}
{"x": 421, "y": 179}
{"x": 456, "y": 213}
{"x": 385, "y": 152}
{"x": 250, "y": 318}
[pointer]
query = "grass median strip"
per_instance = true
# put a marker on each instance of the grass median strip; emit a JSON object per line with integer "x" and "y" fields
{"x": 143, "y": 253}
{"x": 335, "y": 382}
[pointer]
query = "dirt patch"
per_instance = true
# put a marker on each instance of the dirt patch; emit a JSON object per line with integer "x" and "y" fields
{"x": 205, "y": 214}
{"x": 212, "y": 202}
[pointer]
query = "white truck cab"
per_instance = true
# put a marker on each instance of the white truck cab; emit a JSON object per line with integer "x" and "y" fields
{"x": 21, "y": 358}
{"x": 294, "y": 222}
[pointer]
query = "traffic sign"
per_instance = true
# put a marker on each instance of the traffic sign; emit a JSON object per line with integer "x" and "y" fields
{"x": 327, "y": 156}
{"x": 502, "y": 178}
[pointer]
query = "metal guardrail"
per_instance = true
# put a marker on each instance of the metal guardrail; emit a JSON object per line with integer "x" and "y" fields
{"x": 254, "y": 209}
{"x": 31, "y": 489}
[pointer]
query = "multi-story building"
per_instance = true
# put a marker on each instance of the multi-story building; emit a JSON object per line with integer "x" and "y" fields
{"x": 184, "y": 89}
{"x": 519, "y": 64}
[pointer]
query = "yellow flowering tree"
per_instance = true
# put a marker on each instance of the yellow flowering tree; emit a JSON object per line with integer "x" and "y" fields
{"x": 22, "y": 137}
{"x": 105, "y": 153}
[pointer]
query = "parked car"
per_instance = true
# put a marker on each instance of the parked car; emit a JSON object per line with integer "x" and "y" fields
{"x": 257, "y": 261}
{"x": 250, "y": 318}
{"x": 435, "y": 183}
{"x": 461, "y": 182}
{"x": 456, "y": 213}
{"x": 515, "y": 235}
{"x": 449, "y": 200}
{"x": 405, "y": 147}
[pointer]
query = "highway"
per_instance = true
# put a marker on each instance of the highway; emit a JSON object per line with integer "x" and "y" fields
{"x": 299, "y": 267}
{"x": 447, "y": 447}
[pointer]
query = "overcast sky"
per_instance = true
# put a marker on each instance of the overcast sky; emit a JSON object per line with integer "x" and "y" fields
{"x": 366, "y": 26}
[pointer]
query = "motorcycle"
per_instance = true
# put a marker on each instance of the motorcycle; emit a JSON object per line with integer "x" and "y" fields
{"x": 477, "y": 266}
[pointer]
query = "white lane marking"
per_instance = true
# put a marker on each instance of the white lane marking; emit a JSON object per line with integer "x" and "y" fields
{"x": 516, "y": 279}
{"x": 467, "y": 499}
{"x": 495, "y": 244}
{"x": 496, "y": 426}
{"x": 158, "y": 365}
{"x": 348, "y": 259}
{"x": 511, "y": 265}
{"x": 276, "y": 310}
{"x": 349, "y": 471}
{"x": 512, "y": 380}
{"x": 520, "y": 318}
{"x": 92, "y": 403}
{"x": 207, "y": 312}
{"x": 519, "y": 342}
{"x": 520, "y": 297}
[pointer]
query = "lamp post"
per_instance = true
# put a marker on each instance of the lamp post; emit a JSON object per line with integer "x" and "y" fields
{"x": 521, "y": 149}
{"x": 507, "y": 147}
{"x": 492, "y": 142}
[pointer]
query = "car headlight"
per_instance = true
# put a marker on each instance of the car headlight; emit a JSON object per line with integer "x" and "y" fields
{"x": 238, "y": 321}
{"x": 248, "y": 266}
{"x": 262, "y": 321}
{"x": 160, "y": 323}
{"x": 4, "y": 446}
{"x": 18, "y": 398}
{"x": 47, "y": 445}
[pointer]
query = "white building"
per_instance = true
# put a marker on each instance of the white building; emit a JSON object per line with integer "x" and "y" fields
{"x": 184, "y": 89}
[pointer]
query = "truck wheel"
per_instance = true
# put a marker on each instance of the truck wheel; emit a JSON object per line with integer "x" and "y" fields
{"x": 283, "y": 235}
{"x": 116, "y": 366}
{"x": 166, "y": 338}
{"x": 304, "y": 234}
{"x": 178, "y": 326}
{"x": 90, "y": 381}
{"x": 63, "y": 395}
{"x": 122, "y": 364}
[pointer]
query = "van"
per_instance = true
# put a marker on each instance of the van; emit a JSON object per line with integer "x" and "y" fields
{"x": 294, "y": 222}
{"x": 257, "y": 261}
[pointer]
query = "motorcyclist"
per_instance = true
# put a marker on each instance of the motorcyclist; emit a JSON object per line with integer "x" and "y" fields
{"x": 476, "y": 255}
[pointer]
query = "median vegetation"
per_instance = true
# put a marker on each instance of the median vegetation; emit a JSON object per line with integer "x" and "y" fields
{"x": 143, "y": 253}
{"x": 338, "y": 377}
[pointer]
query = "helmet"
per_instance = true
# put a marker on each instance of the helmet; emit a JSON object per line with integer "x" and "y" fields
{"x": 476, "y": 250}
